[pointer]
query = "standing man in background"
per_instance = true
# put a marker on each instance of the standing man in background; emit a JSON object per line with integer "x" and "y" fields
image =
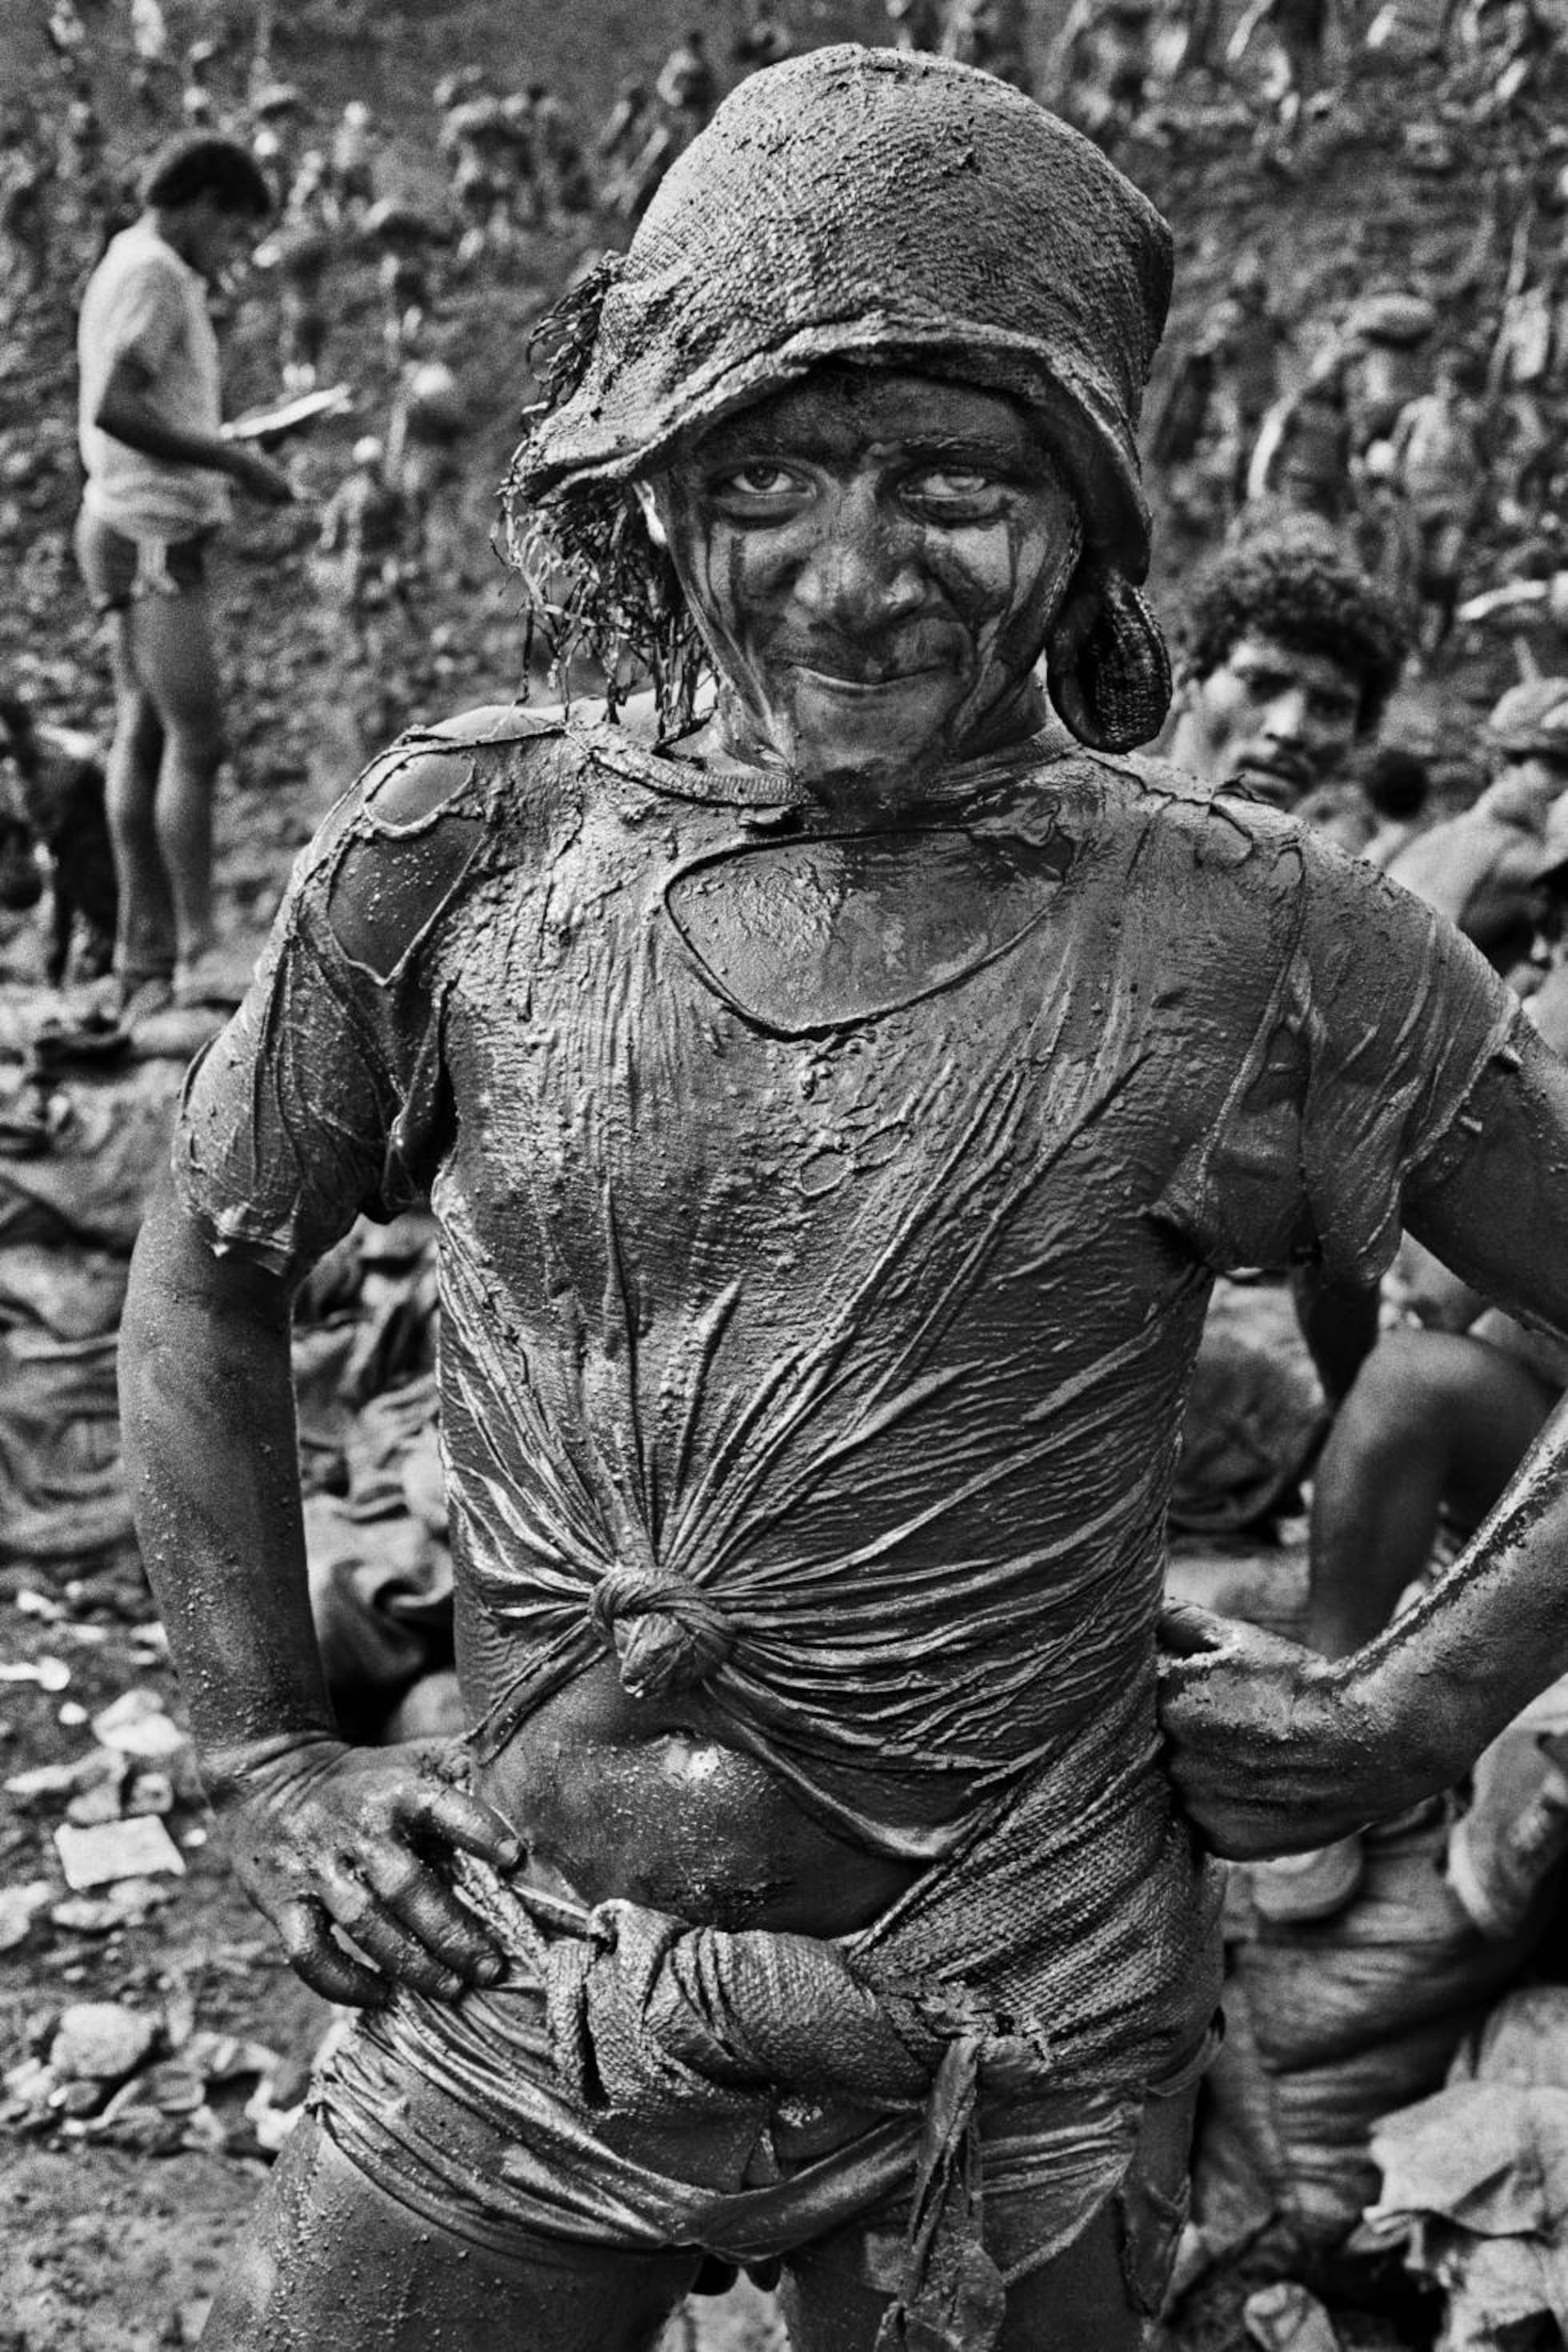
{"x": 158, "y": 468}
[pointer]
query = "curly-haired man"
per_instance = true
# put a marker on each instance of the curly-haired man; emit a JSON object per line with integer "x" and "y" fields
{"x": 1288, "y": 654}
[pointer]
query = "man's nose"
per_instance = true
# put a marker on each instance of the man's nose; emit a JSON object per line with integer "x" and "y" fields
{"x": 1286, "y": 719}
{"x": 863, "y": 568}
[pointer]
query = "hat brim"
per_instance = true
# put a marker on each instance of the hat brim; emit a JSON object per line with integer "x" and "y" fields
{"x": 627, "y": 439}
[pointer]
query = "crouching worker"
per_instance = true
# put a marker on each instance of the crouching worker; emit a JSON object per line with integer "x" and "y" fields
{"x": 835, "y": 1092}
{"x": 52, "y": 802}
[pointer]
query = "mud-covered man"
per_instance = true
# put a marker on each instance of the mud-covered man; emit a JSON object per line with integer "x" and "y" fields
{"x": 835, "y": 1095}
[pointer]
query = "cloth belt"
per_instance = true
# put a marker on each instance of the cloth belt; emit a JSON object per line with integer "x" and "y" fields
{"x": 653, "y": 2018}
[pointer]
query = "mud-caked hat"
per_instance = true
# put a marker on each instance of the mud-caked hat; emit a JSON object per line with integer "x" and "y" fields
{"x": 866, "y": 203}
{"x": 899, "y": 210}
{"x": 1530, "y": 718}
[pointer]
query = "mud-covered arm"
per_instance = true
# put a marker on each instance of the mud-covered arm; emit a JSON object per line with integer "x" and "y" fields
{"x": 1275, "y": 1750}
{"x": 290, "y": 1129}
{"x": 324, "y": 1838}
{"x": 208, "y": 1414}
{"x": 1401, "y": 1088}
{"x": 1494, "y": 1631}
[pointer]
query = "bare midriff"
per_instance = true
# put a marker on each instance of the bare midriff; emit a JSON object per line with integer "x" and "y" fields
{"x": 641, "y": 1801}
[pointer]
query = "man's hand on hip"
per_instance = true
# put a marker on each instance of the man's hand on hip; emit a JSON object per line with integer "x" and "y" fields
{"x": 1270, "y": 1745}
{"x": 328, "y": 1837}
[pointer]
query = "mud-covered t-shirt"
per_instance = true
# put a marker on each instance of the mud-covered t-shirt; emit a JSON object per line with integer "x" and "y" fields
{"x": 826, "y": 1220}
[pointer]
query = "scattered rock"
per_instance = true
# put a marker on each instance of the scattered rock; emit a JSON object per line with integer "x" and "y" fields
{"x": 127, "y": 1903}
{"x": 227, "y": 2058}
{"x": 101, "y": 2042}
{"x": 61, "y": 1779}
{"x": 19, "y": 1908}
{"x": 149, "y": 2112}
{"x": 70, "y": 2101}
{"x": 25, "y": 2084}
{"x": 1283, "y": 2317}
{"x": 29, "y": 1603}
{"x": 139, "y": 1848}
{"x": 51, "y": 1673}
{"x": 102, "y": 1801}
{"x": 138, "y": 1723}
{"x": 174, "y": 2087}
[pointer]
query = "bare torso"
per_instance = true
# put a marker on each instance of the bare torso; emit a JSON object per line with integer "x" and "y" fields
{"x": 638, "y": 1798}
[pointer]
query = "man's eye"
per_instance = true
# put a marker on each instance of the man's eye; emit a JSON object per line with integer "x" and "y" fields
{"x": 760, "y": 481}
{"x": 955, "y": 494}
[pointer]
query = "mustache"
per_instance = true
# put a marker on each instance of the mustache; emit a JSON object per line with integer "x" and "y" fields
{"x": 1283, "y": 764}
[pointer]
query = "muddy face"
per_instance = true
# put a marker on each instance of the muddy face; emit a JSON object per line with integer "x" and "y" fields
{"x": 1272, "y": 716}
{"x": 875, "y": 559}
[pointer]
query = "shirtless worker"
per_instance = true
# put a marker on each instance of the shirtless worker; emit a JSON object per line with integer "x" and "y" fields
{"x": 835, "y": 1102}
{"x": 1494, "y": 869}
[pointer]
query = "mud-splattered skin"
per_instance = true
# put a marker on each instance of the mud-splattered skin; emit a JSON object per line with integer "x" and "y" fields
{"x": 830, "y": 1149}
{"x": 651, "y": 1801}
{"x": 875, "y": 559}
{"x": 830, "y": 1156}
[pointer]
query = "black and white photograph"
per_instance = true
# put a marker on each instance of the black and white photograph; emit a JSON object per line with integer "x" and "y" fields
{"x": 783, "y": 1176}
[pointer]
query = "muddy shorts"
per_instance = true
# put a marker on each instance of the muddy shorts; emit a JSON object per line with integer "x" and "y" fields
{"x": 458, "y": 2111}
{"x": 118, "y": 570}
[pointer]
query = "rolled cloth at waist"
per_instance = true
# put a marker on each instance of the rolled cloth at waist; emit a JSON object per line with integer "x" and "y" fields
{"x": 951, "y": 1989}
{"x": 653, "y": 2018}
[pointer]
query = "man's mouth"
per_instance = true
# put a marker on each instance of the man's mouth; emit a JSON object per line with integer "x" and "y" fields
{"x": 1279, "y": 782}
{"x": 863, "y": 677}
